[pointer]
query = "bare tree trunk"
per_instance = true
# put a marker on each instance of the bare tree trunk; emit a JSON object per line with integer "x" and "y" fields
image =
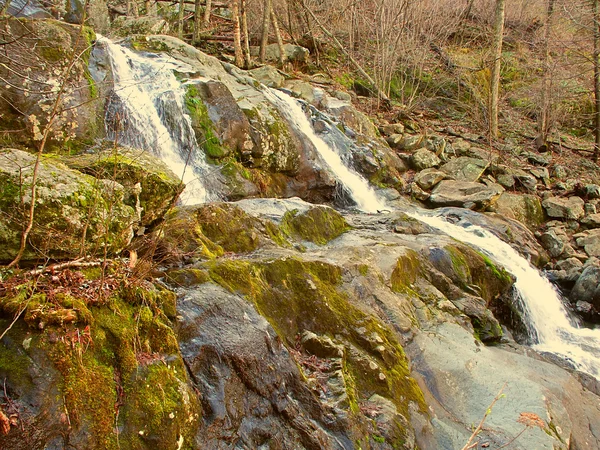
{"x": 597, "y": 78}
{"x": 150, "y": 6}
{"x": 282, "y": 57}
{"x": 247, "y": 56}
{"x": 197, "y": 20}
{"x": 237, "y": 40}
{"x": 545, "y": 103}
{"x": 180, "y": 19}
{"x": 355, "y": 63}
{"x": 207, "y": 10}
{"x": 495, "y": 81}
{"x": 265, "y": 32}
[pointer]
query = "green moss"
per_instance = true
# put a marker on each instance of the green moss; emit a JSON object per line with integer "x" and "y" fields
{"x": 406, "y": 272}
{"x": 295, "y": 296}
{"x": 318, "y": 225}
{"x": 363, "y": 269}
{"x": 202, "y": 124}
{"x": 229, "y": 227}
{"x": 187, "y": 277}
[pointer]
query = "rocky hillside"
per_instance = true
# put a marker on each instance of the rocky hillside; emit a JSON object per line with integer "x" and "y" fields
{"x": 278, "y": 316}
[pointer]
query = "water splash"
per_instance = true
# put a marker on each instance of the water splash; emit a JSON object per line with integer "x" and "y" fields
{"x": 361, "y": 192}
{"x": 552, "y": 326}
{"x": 147, "y": 111}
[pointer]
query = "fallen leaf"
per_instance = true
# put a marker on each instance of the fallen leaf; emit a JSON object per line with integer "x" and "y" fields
{"x": 4, "y": 424}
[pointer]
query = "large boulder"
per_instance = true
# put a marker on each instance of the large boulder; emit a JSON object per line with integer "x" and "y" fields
{"x": 587, "y": 286}
{"x": 150, "y": 186}
{"x": 36, "y": 65}
{"x": 525, "y": 208}
{"x": 564, "y": 208}
{"x": 428, "y": 178}
{"x": 424, "y": 159}
{"x": 466, "y": 194}
{"x": 74, "y": 213}
{"x": 464, "y": 168}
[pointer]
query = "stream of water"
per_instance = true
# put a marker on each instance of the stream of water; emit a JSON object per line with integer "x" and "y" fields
{"x": 361, "y": 192}
{"x": 549, "y": 322}
{"x": 147, "y": 112}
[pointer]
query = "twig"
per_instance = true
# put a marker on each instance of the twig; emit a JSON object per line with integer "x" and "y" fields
{"x": 488, "y": 411}
{"x": 76, "y": 263}
{"x": 14, "y": 320}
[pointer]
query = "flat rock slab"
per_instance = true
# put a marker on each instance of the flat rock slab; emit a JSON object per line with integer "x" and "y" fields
{"x": 465, "y": 168}
{"x": 459, "y": 373}
{"x": 466, "y": 194}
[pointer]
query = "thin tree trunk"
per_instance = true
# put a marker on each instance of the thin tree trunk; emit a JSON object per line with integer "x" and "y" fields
{"x": 247, "y": 56}
{"x": 544, "y": 120}
{"x": 237, "y": 40}
{"x": 132, "y": 8}
{"x": 180, "y": 19}
{"x": 358, "y": 67}
{"x": 282, "y": 57}
{"x": 207, "y": 11}
{"x": 495, "y": 81}
{"x": 197, "y": 20}
{"x": 265, "y": 32}
{"x": 597, "y": 78}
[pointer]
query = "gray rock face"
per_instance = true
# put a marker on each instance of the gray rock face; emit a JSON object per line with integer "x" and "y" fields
{"x": 72, "y": 210}
{"x": 564, "y": 208}
{"x": 424, "y": 159}
{"x": 233, "y": 353}
{"x": 465, "y": 194}
{"x": 591, "y": 221}
{"x": 464, "y": 168}
{"x": 472, "y": 373}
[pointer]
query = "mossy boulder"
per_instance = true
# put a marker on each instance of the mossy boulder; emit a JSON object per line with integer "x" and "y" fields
{"x": 149, "y": 183}
{"x": 319, "y": 225}
{"x": 74, "y": 213}
{"x": 108, "y": 376}
{"x": 36, "y": 67}
{"x": 208, "y": 231}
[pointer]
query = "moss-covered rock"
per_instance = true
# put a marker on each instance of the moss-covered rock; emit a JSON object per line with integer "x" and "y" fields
{"x": 36, "y": 66}
{"x": 112, "y": 373}
{"x": 319, "y": 225}
{"x": 74, "y": 213}
{"x": 150, "y": 184}
{"x": 296, "y": 295}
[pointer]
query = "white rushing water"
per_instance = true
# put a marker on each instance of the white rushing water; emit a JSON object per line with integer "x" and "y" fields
{"x": 148, "y": 112}
{"x": 554, "y": 330}
{"x": 361, "y": 192}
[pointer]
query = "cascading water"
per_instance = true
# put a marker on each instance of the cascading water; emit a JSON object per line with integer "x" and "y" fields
{"x": 361, "y": 192}
{"x": 552, "y": 327}
{"x": 148, "y": 112}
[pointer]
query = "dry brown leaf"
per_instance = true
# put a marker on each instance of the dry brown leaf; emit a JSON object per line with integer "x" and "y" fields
{"x": 4, "y": 424}
{"x": 531, "y": 420}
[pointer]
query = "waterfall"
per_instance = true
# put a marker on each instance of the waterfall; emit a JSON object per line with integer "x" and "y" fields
{"x": 553, "y": 329}
{"x": 147, "y": 111}
{"x": 361, "y": 192}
